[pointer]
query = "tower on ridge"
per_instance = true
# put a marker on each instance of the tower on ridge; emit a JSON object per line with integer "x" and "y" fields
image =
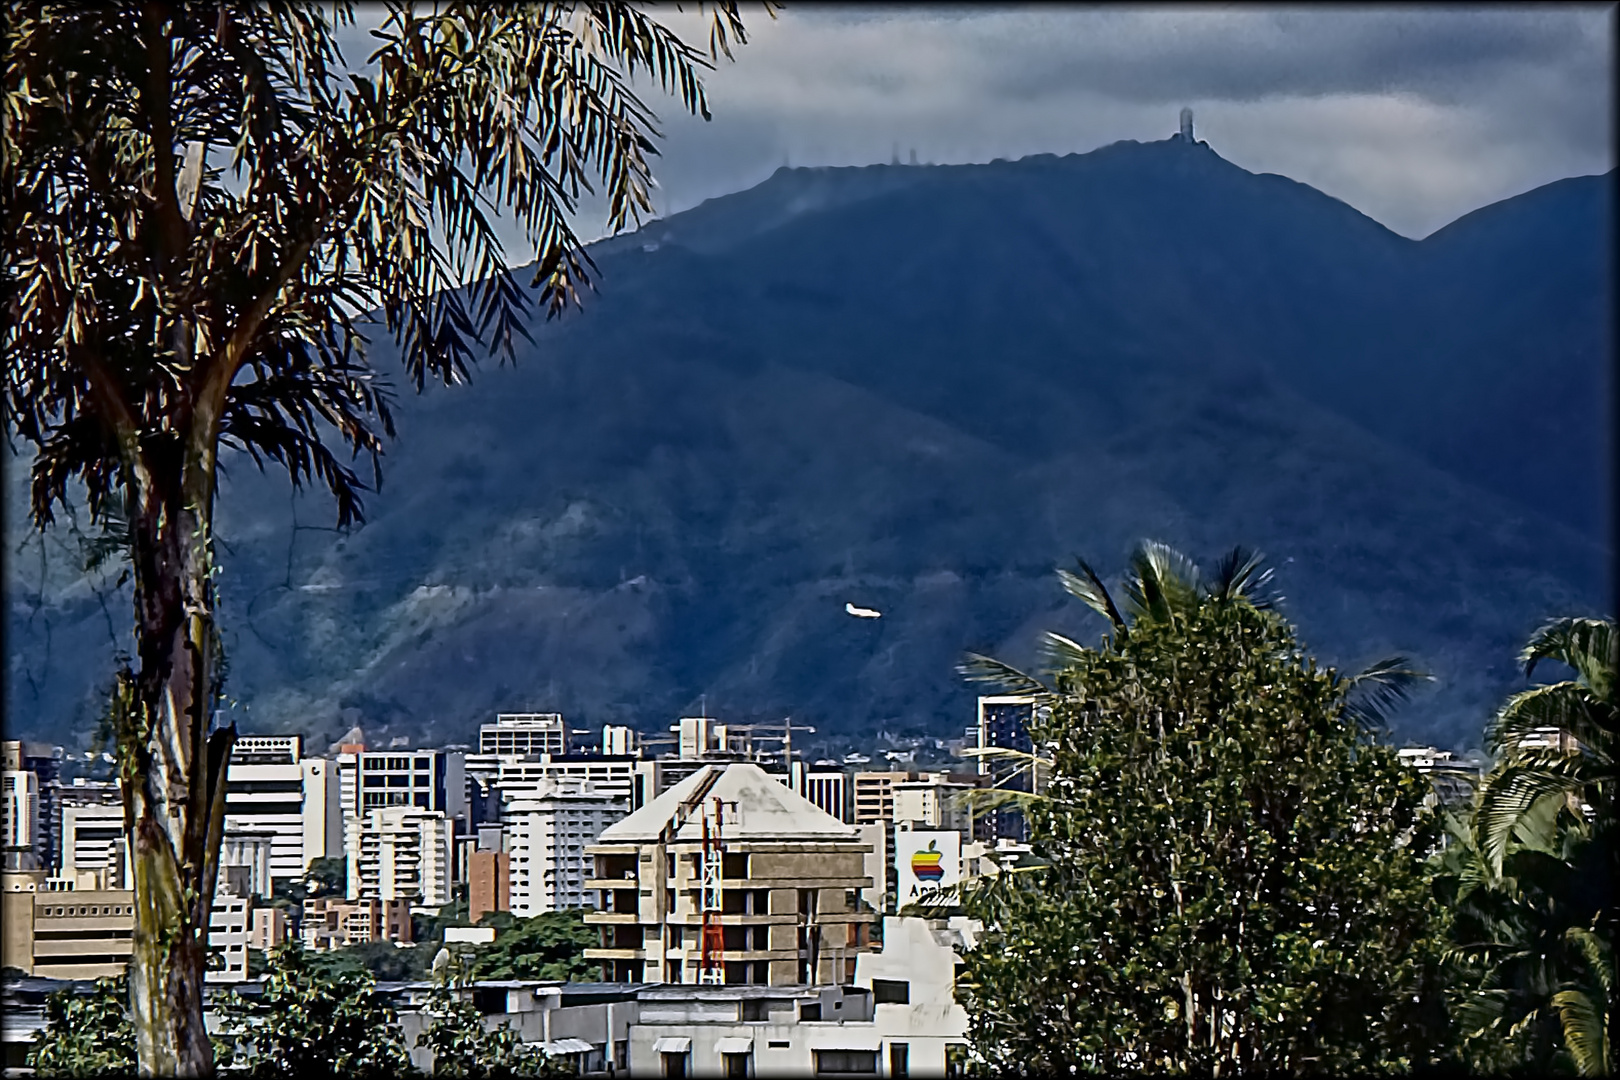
{"x": 1186, "y": 126}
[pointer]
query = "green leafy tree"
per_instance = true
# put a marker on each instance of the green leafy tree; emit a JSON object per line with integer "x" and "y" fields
{"x": 550, "y": 945}
{"x": 463, "y": 1045}
{"x": 86, "y": 1034}
{"x": 327, "y": 876}
{"x": 1534, "y": 879}
{"x": 205, "y": 206}
{"x": 1231, "y": 872}
{"x": 310, "y": 1022}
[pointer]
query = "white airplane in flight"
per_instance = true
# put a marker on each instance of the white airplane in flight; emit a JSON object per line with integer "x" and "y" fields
{"x": 862, "y": 612}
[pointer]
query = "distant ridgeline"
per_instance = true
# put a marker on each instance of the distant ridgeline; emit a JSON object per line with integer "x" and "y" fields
{"x": 915, "y": 390}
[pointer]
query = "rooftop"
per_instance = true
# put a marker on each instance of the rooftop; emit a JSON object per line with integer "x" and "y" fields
{"x": 757, "y": 807}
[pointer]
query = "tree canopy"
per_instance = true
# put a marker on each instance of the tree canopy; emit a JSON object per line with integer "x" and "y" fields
{"x": 1231, "y": 871}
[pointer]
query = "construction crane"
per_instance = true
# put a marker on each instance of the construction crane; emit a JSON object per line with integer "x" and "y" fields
{"x": 787, "y": 727}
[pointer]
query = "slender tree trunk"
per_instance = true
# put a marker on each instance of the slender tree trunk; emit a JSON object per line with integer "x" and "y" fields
{"x": 173, "y": 770}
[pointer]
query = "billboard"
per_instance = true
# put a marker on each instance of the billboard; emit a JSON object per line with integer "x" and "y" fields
{"x": 925, "y": 862}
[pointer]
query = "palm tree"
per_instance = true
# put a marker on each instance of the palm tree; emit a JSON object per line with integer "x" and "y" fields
{"x": 1552, "y": 792}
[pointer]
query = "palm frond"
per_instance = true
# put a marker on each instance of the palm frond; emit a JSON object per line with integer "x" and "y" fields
{"x": 1508, "y": 795}
{"x": 1162, "y": 581}
{"x": 1586, "y": 1035}
{"x": 1242, "y": 574}
{"x": 1091, "y": 591}
{"x": 1373, "y": 695}
{"x": 1060, "y": 653}
{"x": 1587, "y": 645}
{"x": 976, "y": 667}
{"x": 1567, "y": 708}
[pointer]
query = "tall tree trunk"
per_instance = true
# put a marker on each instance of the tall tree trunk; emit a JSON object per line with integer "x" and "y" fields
{"x": 173, "y": 769}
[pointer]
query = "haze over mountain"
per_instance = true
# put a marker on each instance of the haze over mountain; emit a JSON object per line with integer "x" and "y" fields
{"x": 917, "y": 390}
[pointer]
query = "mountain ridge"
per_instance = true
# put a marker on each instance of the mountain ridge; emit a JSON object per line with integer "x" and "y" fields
{"x": 890, "y": 386}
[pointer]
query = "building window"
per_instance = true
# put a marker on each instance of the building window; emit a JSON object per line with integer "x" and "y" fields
{"x": 891, "y": 992}
{"x": 899, "y": 1059}
{"x": 836, "y": 1062}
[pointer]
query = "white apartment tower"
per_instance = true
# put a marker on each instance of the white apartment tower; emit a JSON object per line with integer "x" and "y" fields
{"x": 272, "y": 790}
{"x": 547, "y": 830}
{"x": 20, "y": 821}
{"x": 401, "y": 853}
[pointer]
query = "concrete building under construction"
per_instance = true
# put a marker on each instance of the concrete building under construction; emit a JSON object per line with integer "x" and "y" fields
{"x": 731, "y": 877}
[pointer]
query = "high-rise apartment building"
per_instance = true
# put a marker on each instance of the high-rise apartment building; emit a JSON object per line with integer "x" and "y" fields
{"x": 403, "y": 854}
{"x": 874, "y": 795}
{"x": 547, "y": 831}
{"x": 45, "y": 763}
{"x": 775, "y": 878}
{"x": 21, "y": 831}
{"x": 1004, "y": 722}
{"x": 333, "y": 922}
{"x": 524, "y": 734}
{"x": 228, "y": 923}
{"x": 424, "y": 779}
{"x": 272, "y": 790}
{"x": 830, "y": 791}
{"x": 498, "y": 778}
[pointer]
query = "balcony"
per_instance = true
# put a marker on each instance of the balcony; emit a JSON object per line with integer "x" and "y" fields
{"x": 599, "y": 953}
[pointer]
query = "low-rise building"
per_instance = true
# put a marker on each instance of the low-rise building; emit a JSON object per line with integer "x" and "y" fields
{"x": 897, "y": 1017}
{"x": 334, "y": 922}
{"x": 270, "y": 928}
{"x": 228, "y": 938}
{"x": 776, "y": 878}
{"x": 81, "y": 934}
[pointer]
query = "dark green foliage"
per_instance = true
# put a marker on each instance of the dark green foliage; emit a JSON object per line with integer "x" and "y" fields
{"x": 547, "y": 946}
{"x": 1233, "y": 871}
{"x": 326, "y": 877}
{"x": 382, "y": 960}
{"x": 86, "y": 1034}
{"x": 1533, "y": 876}
{"x": 310, "y": 1023}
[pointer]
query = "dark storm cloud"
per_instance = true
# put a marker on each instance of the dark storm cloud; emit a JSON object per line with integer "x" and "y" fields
{"x": 1167, "y": 56}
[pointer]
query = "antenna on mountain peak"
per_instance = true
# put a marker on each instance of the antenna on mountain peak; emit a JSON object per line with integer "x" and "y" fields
{"x": 1186, "y": 126}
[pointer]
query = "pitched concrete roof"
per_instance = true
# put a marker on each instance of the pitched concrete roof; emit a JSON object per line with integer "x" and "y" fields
{"x": 765, "y": 809}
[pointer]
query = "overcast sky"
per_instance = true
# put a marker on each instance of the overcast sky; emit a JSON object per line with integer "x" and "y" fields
{"x": 1413, "y": 115}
